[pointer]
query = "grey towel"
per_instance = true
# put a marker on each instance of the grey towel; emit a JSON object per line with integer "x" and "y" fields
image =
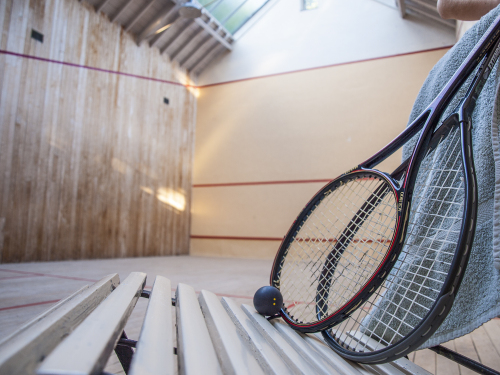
{"x": 478, "y": 299}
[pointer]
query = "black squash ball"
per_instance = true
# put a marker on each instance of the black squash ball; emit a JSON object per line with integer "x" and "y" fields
{"x": 268, "y": 301}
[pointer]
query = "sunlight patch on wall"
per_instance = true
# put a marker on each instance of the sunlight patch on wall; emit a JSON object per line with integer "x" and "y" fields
{"x": 171, "y": 197}
{"x": 147, "y": 190}
{"x": 168, "y": 196}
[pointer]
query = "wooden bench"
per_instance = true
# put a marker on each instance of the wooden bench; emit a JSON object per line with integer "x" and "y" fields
{"x": 78, "y": 335}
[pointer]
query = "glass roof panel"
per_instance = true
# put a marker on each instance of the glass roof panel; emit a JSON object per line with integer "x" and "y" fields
{"x": 233, "y": 14}
{"x": 242, "y": 14}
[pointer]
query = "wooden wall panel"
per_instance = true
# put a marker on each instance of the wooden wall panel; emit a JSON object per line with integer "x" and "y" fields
{"x": 90, "y": 161}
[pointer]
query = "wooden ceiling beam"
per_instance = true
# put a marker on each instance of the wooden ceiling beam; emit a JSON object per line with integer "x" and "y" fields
{"x": 139, "y": 15}
{"x": 122, "y": 9}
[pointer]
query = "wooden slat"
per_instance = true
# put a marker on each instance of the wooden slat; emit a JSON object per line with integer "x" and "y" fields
{"x": 488, "y": 354}
{"x": 401, "y": 364}
{"x": 341, "y": 365}
{"x": 22, "y": 351}
{"x": 298, "y": 343}
{"x": 408, "y": 367}
{"x": 155, "y": 354}
{"x": 87, "y": 349}
{"x": 493, "y": 331}
{"x": 426, "y": 359}
{"x": 445, "y": 366}
{"x": 234, "y": 356}
{"x": 265, "y": 354}
{"x": 383, "y": 369}
{"x": 293, "y": 359}
{"x": 89, "y": 168}
{"x": 465, "y": 347}
{"x": 196, "y": 354}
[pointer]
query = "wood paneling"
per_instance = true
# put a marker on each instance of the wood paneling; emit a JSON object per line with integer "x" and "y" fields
{"x": 89, "y": 157}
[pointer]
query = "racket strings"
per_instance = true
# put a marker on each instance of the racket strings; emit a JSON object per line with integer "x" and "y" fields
{"x": 323, "y": 251}
{"x": 319, "y": 264}
{"x": 415, "y": 282}
{"x": 349, "y": 263}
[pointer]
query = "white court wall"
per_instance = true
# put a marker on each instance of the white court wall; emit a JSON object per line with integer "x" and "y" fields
{"x": 303, "y": 97}
{"x": 282, "y": 38}
{"x": 264, "y": 146}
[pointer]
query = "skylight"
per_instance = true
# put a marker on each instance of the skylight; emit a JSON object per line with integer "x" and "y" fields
{"x": 309, "y": 4}
{"x": 233, "y": 14}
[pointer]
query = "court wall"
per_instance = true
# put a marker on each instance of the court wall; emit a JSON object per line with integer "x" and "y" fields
{"x": 265, "y": 145}
{"x": 93, "y": 163}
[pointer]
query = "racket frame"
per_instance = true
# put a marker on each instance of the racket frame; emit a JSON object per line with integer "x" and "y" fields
{"x": 375, "y": 280}
{"x": 484, "y": 55}
{"x": 442, "y": 306}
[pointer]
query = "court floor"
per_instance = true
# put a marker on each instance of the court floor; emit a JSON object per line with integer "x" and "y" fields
{"x": 28, "y": 289}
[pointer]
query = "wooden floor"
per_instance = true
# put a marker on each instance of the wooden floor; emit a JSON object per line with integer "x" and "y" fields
{"x": 28, "y": 289}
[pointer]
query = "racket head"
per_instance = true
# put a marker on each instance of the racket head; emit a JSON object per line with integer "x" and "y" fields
{"x": 339, "y": 249}
{"x": 413, "y": 301}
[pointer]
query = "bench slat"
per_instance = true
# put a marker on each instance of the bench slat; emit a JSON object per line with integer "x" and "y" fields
{"x": 196, "y": 354}
{"x": 21, "y": 352}
{"x": 383, "y": 369}
{"x": 155, "y": 353}
{"x": 293, "y": 359}
{"x": 87, "y": 349}
{"x": 340, "y": 364}
{"x": 267, "y": 357}
{"x": 234, "y": 356}
{"x": 298, "y": 343}
{"x": 402, "y": 364}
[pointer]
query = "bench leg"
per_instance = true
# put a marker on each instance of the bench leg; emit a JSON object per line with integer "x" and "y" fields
{"x": 463, "y": 360}
{"x": 124, "y": 354}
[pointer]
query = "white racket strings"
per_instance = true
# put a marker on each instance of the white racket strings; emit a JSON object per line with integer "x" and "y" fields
{"x": 415, "y": 282}
{"x": 337, "y": 248}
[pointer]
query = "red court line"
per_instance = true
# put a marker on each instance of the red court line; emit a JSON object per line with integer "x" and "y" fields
{"x": 49, "y": 275}
{"x": 324, "y": 66}
{"x": 194, "y": 236}
{"x": 29, "y": 305}
{"x": 320, "y": 240}
{"x": 31, "y": 57}
{"x": 334, "y": 240}
{"x": 92, "y": 68}
{"x": 16, "y": 277}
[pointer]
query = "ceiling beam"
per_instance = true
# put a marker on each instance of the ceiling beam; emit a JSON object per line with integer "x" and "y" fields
{"x": 208, "y": 57}
{"x": 139, "y": 15}
{"x": 184, "y": 45}
{"x": 156, "y": 39}
{"x": 214, "y": 33}
{"x": 102, "y": 5}
{"x": 179, "y": 32}
{"x": 158, "y": 22}
{"x": 197, "y": 48}
{"x": 170, "y": 18}
{"x": 122, "y": 9}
